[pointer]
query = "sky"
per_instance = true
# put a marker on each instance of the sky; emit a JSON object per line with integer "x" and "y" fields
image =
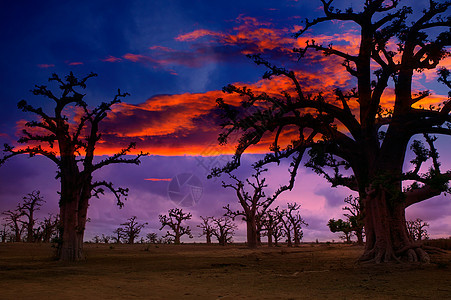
{"x": 174, "y": 57}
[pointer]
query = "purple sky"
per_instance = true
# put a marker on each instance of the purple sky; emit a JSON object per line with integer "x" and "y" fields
{"x": 174, "y": 57}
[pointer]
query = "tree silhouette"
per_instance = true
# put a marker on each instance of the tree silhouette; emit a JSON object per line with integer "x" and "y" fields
{"x": 417, "y": 229}
{"x": 4, "y": 233}
{"x": 224, "y": 229}
{"x": 207, "y": 228}
{"x": 12, "y": 218}
{"x": 30, "y": 204}
{"x": 341, "y": 226}
{"x": 273, "y": 227}
{"x": 152, "y": 238}
{"x": 356, "y": 139}
{"x": 69, "y": 141}
{"x": 49, "y": 228}
{"x": 254, "y": 204}
{"x": 355, "y": 217}
{"x": 131, "y": 229}
{"x": 118, "y": 235}
{"x": 174, "y": 222}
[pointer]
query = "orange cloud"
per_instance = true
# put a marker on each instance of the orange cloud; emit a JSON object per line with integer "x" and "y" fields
{"x": 75, "y": 63}
{"x": 111, "y": 58}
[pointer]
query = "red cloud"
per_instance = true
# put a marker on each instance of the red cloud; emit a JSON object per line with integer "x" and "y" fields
{"x": 45, "y": 66}
{"x": 75, "y": 63}
{"x": 111, "y": 58}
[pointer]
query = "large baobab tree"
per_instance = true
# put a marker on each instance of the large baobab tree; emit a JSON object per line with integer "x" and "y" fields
{"x": 30, "y": 204}
{"x": 68, "y": 137}
{"x": 253, "y": 204}
{"x": 355, "y": 138}
{"x": 174, "y": 221}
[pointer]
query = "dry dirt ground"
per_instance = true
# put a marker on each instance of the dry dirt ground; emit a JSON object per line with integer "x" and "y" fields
{"x": 213, "y": 272}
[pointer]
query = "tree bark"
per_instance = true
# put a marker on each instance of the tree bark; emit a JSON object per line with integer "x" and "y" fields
{"x": 387, "y": 238}
{"x": 270, "y": 233}
{"x": 252, "y": 239}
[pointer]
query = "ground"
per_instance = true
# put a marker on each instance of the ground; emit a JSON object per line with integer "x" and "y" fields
{"x": 196, "y": 271}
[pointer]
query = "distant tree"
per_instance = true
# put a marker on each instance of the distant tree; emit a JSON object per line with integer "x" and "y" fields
{"x": 4, "y": 233}
{"x": 105, "y": 239}
{"x": 253, "y": 204}
{"x": 207, "y": 228}
{"x": 355, "y": 217}
{"x": 12, "y": 218}
{"x": 30, "y": 204}
{"x": 59, "y": 137}
{"x": 152, "y": 238}
{"x": 174, "y": 222}
{"x": 354, "y": 136}
{"x": 297, "y": 222}
{"x": 96, "y": 239}
{"x": 341, "y": 226}
{"x": 49, "y": 228}
{"x": 224, "y": 229}
{"x": 272, "y": 224}
{"x": 118, "y": 235}
{"x": 417, "y": 229}
{"x": 131, "y": 229}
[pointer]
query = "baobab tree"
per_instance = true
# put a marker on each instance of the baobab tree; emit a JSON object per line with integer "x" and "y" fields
{"x": 131, "y": 229}
{"x": 355, "y": 216}
{"x": 30, "y": 204}
{"x": 12, "y": 219}
{"x": 49, "y": 228}
{"x": 224, "y": 229}
{"x": 353, "y": 137}
{"x": 341, "y": 226}
{"x": 417, "y": 229}
{"x": 272, "y": 226}
{"x": 4, "y": 233}
{"x": 69, "y": 141}
{"x": 207, "y": 228}
{"x": 118, "y": 235}
{"x": 174, "y": 221}
{"x": 253, "y": 204}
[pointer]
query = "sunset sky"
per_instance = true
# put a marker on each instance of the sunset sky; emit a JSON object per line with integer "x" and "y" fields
{"x": 174, "y": 57}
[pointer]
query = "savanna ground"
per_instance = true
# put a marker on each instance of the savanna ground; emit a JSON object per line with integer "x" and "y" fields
{"x": 196, "y": 271}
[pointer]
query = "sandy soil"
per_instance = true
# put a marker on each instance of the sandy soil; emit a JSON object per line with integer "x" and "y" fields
{"x": 215, "y": 272}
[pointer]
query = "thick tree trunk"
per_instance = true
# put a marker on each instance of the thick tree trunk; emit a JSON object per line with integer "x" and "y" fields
{"x": 252, "y": 239}
{"x": 387, "y": 238}
{"x": 177, "y": 238}
{"x": 71, "y": 246}
{"x": 270, "y": 233}
{"x": 208, "y": 238}
{"x": 73, "y": 212}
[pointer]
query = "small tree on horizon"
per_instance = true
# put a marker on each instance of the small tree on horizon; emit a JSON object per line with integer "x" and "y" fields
{"x": 341, "y": 226}
{"x": 207, "y": 228}
{"x": 30, "y": 204}
{"x": 131, "y": 229}
{"x": 12, "y": 218}
{"x": 224, "y": 230}
{"x": 174, "y": 221}
{"x": 417, "y": 229}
